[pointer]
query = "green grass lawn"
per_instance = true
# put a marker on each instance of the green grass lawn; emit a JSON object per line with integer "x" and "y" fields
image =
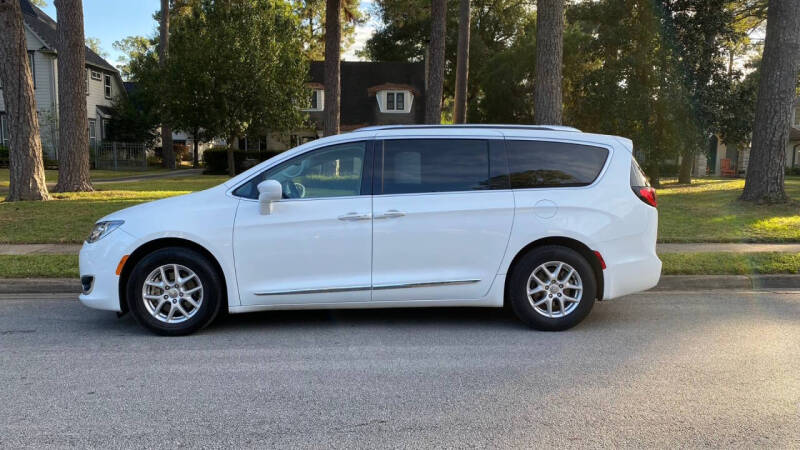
{"x": 68, "y": 218}
{"x": 66, "y": 266}
{"x": 51, "y": 176}
{"x": 730, "y": 263}
{"x": 708, "y": 211}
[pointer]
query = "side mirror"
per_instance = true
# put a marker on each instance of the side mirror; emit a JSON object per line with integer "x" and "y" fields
{"x": 268, "y": 191}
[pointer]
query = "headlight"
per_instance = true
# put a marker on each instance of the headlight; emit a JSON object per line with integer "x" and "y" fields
{"x": 103, "y": 229}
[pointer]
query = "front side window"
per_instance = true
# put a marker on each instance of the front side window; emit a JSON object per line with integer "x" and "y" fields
{"x": 538, "y": 164}
{"x": 107, "y": 85}
{"x": 433, "y": 165}
{"x": 334, "y": 171}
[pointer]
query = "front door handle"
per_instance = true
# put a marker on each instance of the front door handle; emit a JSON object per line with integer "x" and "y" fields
{"x": 353, "y": 216}
{"x": 391, "y": 214}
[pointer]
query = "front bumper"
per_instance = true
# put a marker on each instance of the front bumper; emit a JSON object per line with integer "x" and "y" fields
{"x": 99, "y": 260}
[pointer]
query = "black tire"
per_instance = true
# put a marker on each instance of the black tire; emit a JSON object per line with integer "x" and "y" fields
{"x": 212, "y": 300}
{"x": 518, "y": 288}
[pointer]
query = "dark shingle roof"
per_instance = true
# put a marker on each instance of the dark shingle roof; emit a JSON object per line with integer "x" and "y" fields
{"x": 45, "y": 28}
{"x": 357, "y": 77}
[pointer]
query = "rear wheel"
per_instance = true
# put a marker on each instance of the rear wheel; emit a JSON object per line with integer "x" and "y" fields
{"x": 552, "y": 288}
{"x": 174, "y": 291}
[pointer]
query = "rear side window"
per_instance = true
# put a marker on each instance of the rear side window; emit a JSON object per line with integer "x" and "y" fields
{"x": 539, "y": 164}
{"x": 638, "y": 178}
{"x": 433, "y": 165}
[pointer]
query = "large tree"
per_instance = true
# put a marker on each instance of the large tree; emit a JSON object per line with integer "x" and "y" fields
{"x": 312, "y": 25}
{"x": 163, "y": 51}
{"x": 26, "y": 170}
{"x": 436, "y": 61}
{"x": 462, "y": 67}
{"x": 548, "y": 99}
{"x": 776, "y": 93}
{"x": 333, "y": 67}
{"x": 73, "y": 142}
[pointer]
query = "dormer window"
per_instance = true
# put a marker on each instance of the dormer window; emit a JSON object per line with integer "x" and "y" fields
{"x": 394, "y": 101}
{"x": 317, "y": 100}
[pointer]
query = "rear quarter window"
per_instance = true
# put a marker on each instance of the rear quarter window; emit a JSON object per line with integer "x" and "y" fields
{"x": 540, "y": 164}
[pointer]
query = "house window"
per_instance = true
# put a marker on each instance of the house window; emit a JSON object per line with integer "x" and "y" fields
{"x": 317, "y": 101}
{"x": 4, "y": 138}
{"x": 31, "y": 60}
{"x": 105, "y": 129}
{"x": 107, "y": 85}
{"x": 92, "y": 133}
{"x": 394, "y": 101}
{"x": 96, "y": 75}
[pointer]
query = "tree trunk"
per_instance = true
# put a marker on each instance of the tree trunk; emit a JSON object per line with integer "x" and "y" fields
{"x": 231, "y": 160}
{"x": 167, "y": 150}
{"x": 547, "y": 103}
{"x": 462, "y": 66}
{"x": 25, "y": 167}
{"x": 776, "y": 92}
{"x": 685, "y": 170}
{"x": 333, "y": 43}
{"x": 433, "y": 91}
{"x": 73, "y": 142}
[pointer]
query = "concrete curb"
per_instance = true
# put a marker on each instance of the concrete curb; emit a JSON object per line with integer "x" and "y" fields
{"x": 667, "y": 283}
{"x": 39, "y": 285}
{"x": 726, "y": 282}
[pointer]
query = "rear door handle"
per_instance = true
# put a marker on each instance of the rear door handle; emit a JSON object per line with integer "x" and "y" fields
{"x": 353, "y": 216}
{"x": 391, "y": 214}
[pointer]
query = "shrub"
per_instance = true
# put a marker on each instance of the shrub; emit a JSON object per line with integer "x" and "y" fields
{"x": 182, "y": 153}
{"x": 793, "y": 171}
{"x": 216, "y": 159}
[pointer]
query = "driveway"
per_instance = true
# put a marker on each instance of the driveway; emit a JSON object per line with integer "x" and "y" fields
{"x": 717, "y": 369}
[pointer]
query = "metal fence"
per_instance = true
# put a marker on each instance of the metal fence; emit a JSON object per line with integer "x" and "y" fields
{"x": 120, "y": 156}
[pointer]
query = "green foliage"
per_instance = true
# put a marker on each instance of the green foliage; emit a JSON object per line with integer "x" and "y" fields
{"x": 652, "y": 70}
{"x": 251, "y": 75}
{"x": 133, "y": 118}
{"x": 312, "y": 25}
{"x": 94, "y": 45}
{"x": 215, "y": 160}
{"x": 133, "y": 49}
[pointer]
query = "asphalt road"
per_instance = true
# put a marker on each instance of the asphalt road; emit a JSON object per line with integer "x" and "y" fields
{"x": 652, "y": 370}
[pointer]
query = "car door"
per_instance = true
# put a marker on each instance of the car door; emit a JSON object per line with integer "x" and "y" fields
{"x": 442, "y": 217}
{"x": 316, "y": 244}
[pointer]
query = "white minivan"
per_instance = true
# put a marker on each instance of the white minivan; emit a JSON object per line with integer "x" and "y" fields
{"x": 545, "y": 219}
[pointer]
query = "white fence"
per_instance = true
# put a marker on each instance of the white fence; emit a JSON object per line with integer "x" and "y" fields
{"x": 120, "y": 156}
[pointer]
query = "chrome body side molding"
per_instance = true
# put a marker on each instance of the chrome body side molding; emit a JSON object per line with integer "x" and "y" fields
{"x": 365, "y": 288}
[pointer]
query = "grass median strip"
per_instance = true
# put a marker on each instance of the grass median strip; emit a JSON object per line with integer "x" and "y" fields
{"x": 39, "y": 266}
{"x": 66, "y": 266}
{"x": 730, "y": 263}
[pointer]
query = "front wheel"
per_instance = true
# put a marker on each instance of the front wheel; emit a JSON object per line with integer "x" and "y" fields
{"x": 552, "y": 288}
{"x": 174, "y": 291}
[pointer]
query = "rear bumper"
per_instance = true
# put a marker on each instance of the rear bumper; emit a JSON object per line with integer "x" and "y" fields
{"x": 99, "y": 261}
{"x": 632, "y": 276}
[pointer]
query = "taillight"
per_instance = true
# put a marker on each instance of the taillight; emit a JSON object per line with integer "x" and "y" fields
{"x": 646, "y": 194}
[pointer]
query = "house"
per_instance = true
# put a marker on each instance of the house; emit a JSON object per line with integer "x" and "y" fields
{"x": 103, "y": 83}
{"x": 740, "y": 157}
{"x": 373, "y": 93}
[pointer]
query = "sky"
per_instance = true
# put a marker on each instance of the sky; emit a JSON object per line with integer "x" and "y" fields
{"x": 113, "y": 20}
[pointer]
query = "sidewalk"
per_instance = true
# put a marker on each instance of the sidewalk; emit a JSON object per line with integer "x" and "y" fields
{"x": 67, "y": 249}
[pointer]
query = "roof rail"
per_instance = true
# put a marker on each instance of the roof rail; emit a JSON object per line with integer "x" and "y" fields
{"x": 482, "y": 126}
